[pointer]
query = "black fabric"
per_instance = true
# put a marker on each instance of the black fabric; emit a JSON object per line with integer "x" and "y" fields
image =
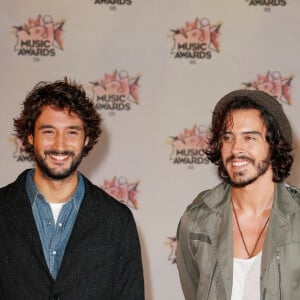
{"x": 102, "y": 258}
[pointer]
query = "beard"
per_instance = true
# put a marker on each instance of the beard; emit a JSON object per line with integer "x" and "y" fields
{"x": 260, "y": 169}
{"x": 58, "y": 175}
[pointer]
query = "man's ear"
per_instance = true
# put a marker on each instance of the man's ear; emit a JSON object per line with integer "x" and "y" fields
{"x": 30, "y": 139}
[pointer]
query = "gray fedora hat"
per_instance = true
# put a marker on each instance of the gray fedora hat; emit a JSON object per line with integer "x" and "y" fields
{"x": 262, "y": 99}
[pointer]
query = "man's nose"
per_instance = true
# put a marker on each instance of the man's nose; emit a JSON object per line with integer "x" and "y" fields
{"x": 59, "y": 142}
{"x": 238, "y": 145}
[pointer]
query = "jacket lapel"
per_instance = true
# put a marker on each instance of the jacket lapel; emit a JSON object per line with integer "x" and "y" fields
{"x": 284, "y": 205}
{"x": 19, "y": 214}
{"x": 219, "y": 227}
{"x": 91, "y": 212}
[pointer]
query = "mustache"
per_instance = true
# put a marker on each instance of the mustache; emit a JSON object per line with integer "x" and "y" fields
{"x": 243, "y": 157}
{"x": 53, "y": 152}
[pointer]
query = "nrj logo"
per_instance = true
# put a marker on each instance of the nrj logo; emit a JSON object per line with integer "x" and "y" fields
{"x": 172, "y": 243}
{"x": 274, "y": 84}
{"x": 122, "y": 190}
{"x": 266, "y": 2}
{"x": 188, "y": 147}
{"x": 39, "y": 37}
{"x": 117, "y": 91}
{"x": 19, "y": 154}
{"x": 113, "y": 2}
{"x": 196, "y": 40}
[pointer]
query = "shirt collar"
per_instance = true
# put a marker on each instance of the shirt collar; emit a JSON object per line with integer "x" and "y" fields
{"x": 34, "y": 194}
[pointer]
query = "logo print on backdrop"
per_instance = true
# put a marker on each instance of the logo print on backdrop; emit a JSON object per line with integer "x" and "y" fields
{"x": 266, "y": 2}
{"x": 196, "y": 40}
{"x": 122, "y": 190}
{"x": 116, "y": 92}
{"x": 172, "y": 243}
{"x": 113, "y": 2}
{"x": 39, "y": 37}
{"x": 274, "y": 84}
{"x": 19, "y": 154}
{"x": 188, "y": 146}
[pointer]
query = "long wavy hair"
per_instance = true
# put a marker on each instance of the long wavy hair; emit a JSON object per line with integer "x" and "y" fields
{"x": 281, "y": 158}
{"x": 61, "y": 94}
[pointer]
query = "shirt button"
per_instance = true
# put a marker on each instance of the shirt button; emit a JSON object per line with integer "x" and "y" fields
{"x": 60, "y": 224}
{"x": 54, "y": 252}
{"x": 49, "y": 222}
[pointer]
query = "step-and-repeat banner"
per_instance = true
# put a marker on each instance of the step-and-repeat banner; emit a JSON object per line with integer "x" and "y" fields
{"x": 155, "y": 69}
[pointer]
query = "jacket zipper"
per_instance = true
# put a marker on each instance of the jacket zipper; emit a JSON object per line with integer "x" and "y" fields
{"x": 279, "y": 273}
{"x": 277, "y": 259}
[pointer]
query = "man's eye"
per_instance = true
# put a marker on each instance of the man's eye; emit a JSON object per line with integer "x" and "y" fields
{"x": 48, "y": 132}
{"x": 73, "y": 132}
{"x": 226, "y": 138}
{"x": 250, "y": 138}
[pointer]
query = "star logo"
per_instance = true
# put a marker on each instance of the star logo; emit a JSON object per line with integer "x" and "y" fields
{"x": 200, "y": 32}
{"x": 41, "y": 32}
{"x": 274, "y": 84}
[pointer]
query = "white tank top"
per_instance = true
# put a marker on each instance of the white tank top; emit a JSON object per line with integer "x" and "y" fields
{"x": 246, "y": 283}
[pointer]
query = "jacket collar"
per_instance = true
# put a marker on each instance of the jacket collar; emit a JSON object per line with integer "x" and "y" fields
{"x": 283, "y": 207}
{"x": 33, "y": 193}
{"x": 218, "y": 222}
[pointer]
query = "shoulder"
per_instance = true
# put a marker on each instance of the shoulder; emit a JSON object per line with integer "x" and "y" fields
{"x": 287, "y": 199}
{"x": 198, "y": 202}
{"x": 294, "y": 192}
{"x": 13, "y": 187}
{"x": 198, "y": 209}
{"x": 210, "y": 199}
{"x": 205, "y": 203}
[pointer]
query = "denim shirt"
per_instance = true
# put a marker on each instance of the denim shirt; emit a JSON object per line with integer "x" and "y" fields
{"x": 54, "y": 237}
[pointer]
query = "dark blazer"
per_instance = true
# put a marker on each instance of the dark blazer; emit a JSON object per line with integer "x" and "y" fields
{"x": 102, "y": 259}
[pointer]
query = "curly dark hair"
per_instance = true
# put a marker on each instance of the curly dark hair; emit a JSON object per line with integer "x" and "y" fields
{"x": 60, "y": 94}
{"x": 280, "y": 149}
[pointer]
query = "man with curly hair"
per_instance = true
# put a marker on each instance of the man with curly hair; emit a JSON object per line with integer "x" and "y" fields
{"x": 241, "y": 239}
{"x": 61, "y": 236}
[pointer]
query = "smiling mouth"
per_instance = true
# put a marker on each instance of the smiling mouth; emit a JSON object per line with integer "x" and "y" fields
{"x": 240, "y": 163}
{"x": 59, "y": 156}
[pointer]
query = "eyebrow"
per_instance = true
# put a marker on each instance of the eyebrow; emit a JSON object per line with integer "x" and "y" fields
{"x": 52, "y": 127}
{"x": 252, "y": 132}
{"x": 246, "y": 132}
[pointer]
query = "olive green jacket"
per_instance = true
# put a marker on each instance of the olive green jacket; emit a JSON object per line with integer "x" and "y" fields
{"x": 205, "y": 247}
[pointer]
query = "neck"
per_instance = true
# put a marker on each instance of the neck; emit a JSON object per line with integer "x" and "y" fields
{"x": 56, "y": 191}
{"x": 254, "y": 198}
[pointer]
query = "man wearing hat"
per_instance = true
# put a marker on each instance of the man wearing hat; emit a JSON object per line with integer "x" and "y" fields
{"x": 241, "y": 239}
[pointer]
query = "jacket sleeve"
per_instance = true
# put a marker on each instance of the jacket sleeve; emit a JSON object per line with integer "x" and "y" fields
{"x": 186, "y": 264}
{"x": 129, "y": 283}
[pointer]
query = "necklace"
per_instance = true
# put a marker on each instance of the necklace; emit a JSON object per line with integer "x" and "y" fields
{"x": 250, "y": 254}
